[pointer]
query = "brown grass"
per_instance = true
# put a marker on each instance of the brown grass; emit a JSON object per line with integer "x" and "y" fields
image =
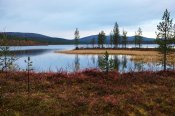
{"x": 118, "y": 52}
{"x": 136, "y": 55}
{"x": 154, "y": 58}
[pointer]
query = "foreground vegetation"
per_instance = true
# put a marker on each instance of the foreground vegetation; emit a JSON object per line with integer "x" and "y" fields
{"x": 90, "y": 92}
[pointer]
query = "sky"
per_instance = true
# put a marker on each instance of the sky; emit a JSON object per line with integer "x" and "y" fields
{"x": 60, "y": 18}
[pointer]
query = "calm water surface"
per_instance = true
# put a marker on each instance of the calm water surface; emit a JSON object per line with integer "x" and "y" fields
{"x": 45, "y": 59}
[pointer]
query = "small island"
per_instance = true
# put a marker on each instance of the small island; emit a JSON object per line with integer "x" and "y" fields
{"x": 119, "y": 51}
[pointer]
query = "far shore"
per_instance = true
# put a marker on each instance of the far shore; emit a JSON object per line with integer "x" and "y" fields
{"x": 120, "y": 51}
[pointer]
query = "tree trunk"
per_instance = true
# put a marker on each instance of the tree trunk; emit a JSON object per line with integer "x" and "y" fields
{"x": 28, "y": 80}
{"x": 164, "y": 61}
{"x": 165, "y": 51}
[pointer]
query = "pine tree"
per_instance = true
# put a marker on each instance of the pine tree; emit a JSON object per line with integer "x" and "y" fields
{"x": 164, "y": 36}
{"x": 138, "y": 37}
{"x": 135, "y": 40}
{"x": 111, "y": 39}
{"x": 116, "y": 36}
{"x": 77, "y": 36}
{"x": 101, "y": 39}
{"x": 124, "y": 39}
{"x": 105, "y": 63}
{"x": 174, "y": 31}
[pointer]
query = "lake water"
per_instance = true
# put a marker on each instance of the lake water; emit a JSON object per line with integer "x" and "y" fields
{"x": 45, "y": 59}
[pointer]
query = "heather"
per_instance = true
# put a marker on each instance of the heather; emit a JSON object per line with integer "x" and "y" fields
{"x": 88, "y": 92}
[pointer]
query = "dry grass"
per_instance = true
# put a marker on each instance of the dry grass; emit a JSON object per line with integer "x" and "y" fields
{"x": 118, "y": 52}
{"x": 136, "y": 55}
{"x": 153, "y": 58}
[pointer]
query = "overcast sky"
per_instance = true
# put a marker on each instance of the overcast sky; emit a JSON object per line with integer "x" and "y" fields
{"x": 59, "y": 18}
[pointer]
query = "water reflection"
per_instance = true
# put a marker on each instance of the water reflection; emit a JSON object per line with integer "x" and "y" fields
{"x": 116, "y": 63}
{"x": 100, "y": 65}
{"x": 93, "y": 60}
{"x": 54, "y": 61}
{"x": 139, "y": 66}
{"x": 48, "y": 60}
{"x": 77, "y": 63}
{"x": 119, "y": 62}
{"x": 124, "y": 63}
{"x": 31, "y": 53}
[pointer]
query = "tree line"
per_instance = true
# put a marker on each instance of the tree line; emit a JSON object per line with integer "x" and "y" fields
{"x": 165, "y": 37}
{"x": 115, "y": 39}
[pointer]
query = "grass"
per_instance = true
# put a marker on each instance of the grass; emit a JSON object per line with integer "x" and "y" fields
{"x": 90, "y": 92}
{"x": 138, "y": 55}
{"x": 111, "y": 51}
{"x": 154, "y": 58}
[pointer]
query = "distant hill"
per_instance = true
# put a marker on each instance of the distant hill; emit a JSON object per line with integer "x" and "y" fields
{"x": 42, "y": 39}
{"x": 37, "y": 37}
{"x": 88, "y": 39}
{"x": 28, "y": 35}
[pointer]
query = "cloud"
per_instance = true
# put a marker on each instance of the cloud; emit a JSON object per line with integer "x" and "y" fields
{"x": 61, "y": 17}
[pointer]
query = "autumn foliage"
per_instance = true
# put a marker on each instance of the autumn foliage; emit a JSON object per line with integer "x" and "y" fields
{"x": 89, "y": 92}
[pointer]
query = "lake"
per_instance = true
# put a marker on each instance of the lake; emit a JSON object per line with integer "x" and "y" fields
{"x": 45, "y": 59}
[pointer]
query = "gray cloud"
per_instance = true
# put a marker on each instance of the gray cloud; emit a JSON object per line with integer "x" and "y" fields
{"x": 59, "y": 16}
